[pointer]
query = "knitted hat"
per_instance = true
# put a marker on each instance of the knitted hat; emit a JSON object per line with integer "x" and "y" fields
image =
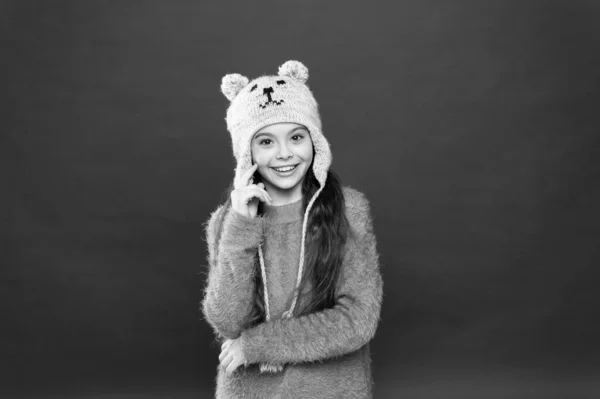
{"x": 273, "y": 99}
{"x": 264, "y": 101}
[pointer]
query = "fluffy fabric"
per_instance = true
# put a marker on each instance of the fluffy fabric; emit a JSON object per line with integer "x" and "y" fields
{"x": 281, "y": 98}
{"x": 232, "y": 84}
{"x": 232, "y": 272}
{"x": 328, "y": 348}
{"x": 294, "y": 69}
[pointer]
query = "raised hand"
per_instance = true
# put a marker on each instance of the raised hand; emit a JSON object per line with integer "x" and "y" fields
{"x": 246, "y": 195}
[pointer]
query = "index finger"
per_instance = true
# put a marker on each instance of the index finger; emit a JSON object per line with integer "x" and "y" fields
{"x": 245, "y": 178}
{"x": 226, "y": 344}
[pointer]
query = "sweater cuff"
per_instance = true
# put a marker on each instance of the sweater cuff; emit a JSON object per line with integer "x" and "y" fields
{"x": 251, "y": 352}
{"x": 241, "y": 231}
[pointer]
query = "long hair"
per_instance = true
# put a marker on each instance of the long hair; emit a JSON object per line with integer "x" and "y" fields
{"x": 326, "y": 235}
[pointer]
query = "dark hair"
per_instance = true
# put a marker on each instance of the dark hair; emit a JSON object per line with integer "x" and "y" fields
{"x": 326, "y": 234}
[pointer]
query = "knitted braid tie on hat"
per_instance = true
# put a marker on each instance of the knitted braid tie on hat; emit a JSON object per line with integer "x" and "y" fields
{"x": 283, "y": 98}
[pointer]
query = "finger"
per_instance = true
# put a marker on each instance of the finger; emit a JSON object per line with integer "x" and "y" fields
{"x": 232, "y": 366}
{"x": 224, "y": 352}
{"x": 226, "y": 360}
{"x": 255, "y": 192}
{"x": 226, "y": 344}
{"x": 262, "y": 186}
{"x": 246, "y": 176}
{"x": 265, "y": 196}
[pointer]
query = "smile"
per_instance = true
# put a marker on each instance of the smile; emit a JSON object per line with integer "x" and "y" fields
{"x": 285, "y": 169}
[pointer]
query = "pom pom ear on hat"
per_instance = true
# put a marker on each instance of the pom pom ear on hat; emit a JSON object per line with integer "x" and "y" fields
{"x": 232, "y": 84}
{"x": 294, "y": 69}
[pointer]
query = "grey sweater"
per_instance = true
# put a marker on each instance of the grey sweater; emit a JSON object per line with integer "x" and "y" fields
{"x": 325, "y": 354}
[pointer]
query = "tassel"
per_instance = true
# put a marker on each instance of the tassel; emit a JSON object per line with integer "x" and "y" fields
{"x": 270, "y": 368}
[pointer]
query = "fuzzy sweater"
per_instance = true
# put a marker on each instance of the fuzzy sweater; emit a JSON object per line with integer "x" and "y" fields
{"x": 325, "y": 354}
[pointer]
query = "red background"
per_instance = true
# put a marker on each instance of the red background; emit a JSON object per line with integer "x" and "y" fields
{"x": 472, "y": 127}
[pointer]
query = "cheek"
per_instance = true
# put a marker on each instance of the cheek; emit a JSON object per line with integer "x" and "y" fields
{"x": 306, "y": 152}
{"x": 259, "y": 156}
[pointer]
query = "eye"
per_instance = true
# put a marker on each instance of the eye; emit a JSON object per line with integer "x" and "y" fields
{"x": 253, "y": 87}
{"x": 297, "y": 137}
{"x": 280, "y": 82}
{"x": 264, "y": 142}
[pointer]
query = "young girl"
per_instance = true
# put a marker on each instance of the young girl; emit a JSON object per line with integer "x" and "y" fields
{"x": 294, "y": 290}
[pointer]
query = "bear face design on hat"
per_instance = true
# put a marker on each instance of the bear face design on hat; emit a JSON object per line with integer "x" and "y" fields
{"x": 267, "y": 100}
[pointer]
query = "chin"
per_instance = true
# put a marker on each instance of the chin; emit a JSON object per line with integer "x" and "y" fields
{"x": 283, "y": 186}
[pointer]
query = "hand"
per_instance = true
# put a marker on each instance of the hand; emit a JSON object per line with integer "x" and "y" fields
{"x": 245, "y": 196}
{"x": 231, "y": 356}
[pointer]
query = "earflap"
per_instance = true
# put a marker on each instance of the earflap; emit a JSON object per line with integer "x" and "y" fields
{"x": 294, "y": 69}
{"x": 322, "y": 156}
{"x": 232, "y": 84}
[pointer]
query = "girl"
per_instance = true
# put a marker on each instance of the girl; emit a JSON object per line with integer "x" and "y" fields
{"x": 294, "y": 290}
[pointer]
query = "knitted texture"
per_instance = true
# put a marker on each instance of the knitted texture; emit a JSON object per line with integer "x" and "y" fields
{"x": 283, "y": 98}
{"x": 329, "y": 348}
{"x": 264, "y": 101}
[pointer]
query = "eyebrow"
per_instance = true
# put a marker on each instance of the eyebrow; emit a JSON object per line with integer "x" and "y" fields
{"x": 290, "y": 132}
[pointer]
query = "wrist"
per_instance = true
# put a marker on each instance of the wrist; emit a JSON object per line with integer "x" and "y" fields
{"x": 246, "y": 349}
{"x": 242, "y": 213}
{"x": 240, "y": 231}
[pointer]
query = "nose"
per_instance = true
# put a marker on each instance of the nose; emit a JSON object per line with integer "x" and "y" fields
{"x": 267, "y": 91}
{"x": 284, "y": 152}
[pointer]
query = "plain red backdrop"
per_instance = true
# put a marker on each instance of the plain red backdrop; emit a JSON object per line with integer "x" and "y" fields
{"x": 471, "y": 126}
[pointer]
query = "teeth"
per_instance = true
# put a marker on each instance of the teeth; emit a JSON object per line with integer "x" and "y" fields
{"x": 284, "y": 169}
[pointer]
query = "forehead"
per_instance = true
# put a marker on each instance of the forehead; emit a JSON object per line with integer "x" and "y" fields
{"x": 280, "y": 129}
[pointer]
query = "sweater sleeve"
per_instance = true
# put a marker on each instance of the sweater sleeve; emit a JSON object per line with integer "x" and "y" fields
{"x": 229, "y": 293}
{"x": 346, "y": 327}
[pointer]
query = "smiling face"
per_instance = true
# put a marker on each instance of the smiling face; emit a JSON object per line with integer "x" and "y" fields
{"x": 283, "y": 152}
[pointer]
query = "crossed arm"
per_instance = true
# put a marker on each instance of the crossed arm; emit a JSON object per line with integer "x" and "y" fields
{"x": 346, "y": 327}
